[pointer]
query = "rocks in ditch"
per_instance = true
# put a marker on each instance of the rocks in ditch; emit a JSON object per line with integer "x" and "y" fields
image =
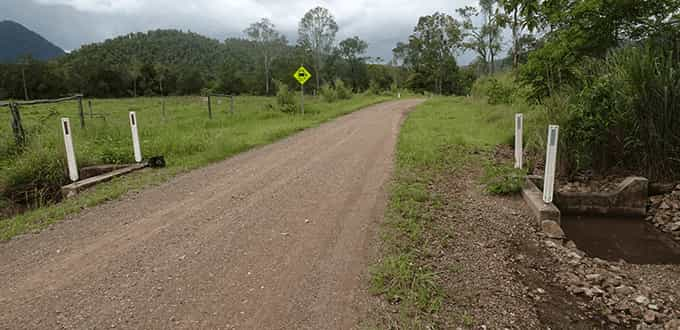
{"x": 664, "y": 212}
{"x": 672, "y": 325}
{"x": 570, "y": 245}
{"x": 673, "y": 226}
{"x": 552, "y": 229}
{"x": 594, "y": 278}
{"x": 624, "y": 290}
{"x": 642, "y": 300}
{"x": 622, "y": 299}
{"x": 649, "y": 316}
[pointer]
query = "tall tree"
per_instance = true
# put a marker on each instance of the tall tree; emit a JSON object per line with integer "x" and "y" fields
{"x": 135, "y": 72}
{"x": 269, "y": 41}
{"x": 351, "y": 50}
{"x": 522, "y": 15}
{"x": 492, "y": 28}
{"x": 316, "y": 34}
{"x": 486, "y": 39}
{"x": 430, "y": 52}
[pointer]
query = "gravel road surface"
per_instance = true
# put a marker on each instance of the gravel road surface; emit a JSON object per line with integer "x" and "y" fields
{"x": 279, "y": 237}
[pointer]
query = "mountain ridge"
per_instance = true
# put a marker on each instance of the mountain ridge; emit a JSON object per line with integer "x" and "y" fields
{"x": 19, "y": 41}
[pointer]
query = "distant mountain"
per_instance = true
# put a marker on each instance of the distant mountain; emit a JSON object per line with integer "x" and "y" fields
{"x": 18, "y": 41}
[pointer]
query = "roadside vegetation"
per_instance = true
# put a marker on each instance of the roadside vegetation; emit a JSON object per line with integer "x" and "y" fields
{"x": 606, "y": 72}
{"x": 441, "y": 137}
{"x": 186, "y": 137}
{"x": 608, "y": 75}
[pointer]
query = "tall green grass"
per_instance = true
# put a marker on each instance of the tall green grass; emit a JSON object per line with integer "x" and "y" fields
{"x": 625, "y": 111}
{"x": 621, "y": 112}
{"x": 185, "y": 136}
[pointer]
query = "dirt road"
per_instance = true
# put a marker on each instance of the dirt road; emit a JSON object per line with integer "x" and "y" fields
{"x": 276, "y": 238}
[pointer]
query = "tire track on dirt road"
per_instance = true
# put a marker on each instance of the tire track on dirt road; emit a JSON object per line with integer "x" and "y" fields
{"x": 278, "y": 237}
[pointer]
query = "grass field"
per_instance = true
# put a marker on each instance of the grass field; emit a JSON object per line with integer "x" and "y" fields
{"x": 187, "y": 139}
{"x": 436, "y": 139}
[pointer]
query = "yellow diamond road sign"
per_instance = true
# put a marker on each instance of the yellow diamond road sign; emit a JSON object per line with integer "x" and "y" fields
{"x": 302, "y": 75}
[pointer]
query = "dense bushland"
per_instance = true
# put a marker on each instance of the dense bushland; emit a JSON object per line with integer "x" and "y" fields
{"x": 619, "y": 112}
{"x": 607, "y": 73}
{"x": 170, "y": 62}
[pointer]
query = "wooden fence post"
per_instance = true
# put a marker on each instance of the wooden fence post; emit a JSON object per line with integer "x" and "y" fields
{"x": 209, "y": 107}
{"x": 89, "y": 105}
{"x": 17, "y": 127}
{"x": 80, "y": 110}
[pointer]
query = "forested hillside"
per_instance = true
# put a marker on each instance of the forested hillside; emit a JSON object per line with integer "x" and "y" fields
{"x": 173, "y": 62}
{"x": 17, "y": 42}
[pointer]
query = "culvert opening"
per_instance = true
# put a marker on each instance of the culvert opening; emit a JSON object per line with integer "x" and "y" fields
{"x": 613, "y": 238}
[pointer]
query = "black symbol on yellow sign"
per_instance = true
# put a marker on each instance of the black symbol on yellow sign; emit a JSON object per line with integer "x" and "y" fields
{"x": 302, "y": 75}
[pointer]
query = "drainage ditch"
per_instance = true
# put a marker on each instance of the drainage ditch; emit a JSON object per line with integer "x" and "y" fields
{"x": 614, "y": 238}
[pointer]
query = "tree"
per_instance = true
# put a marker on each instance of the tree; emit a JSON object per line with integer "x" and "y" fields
{"x": 161, "y": 73}
{"x": 491, "y": 30}
{"x": 135, "y": 72}
{"x": 316, "y": 34}
{"x": 523, "y": 14}
{"x": 486, "y": 39}
{"x": 269, "y": 41}
{"x": 430, "y": 53}
{"x": 351, "y": 50}
{"x": 589, "y": 28}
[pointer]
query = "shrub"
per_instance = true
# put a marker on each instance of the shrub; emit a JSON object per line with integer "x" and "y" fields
{"x": 624, "y": 111}
{"x": 328, "y": 94}
{"x": 35, "y": 177}
{"x": 342, "y": 91}
{"x": 501, "y": 89}
{"x": 503, "y": 179}
{"x": 500, "y": 93}
{"x": 373, "y": 88}
{"x": 285, "y": 99}
{"x": 394, "y": 88}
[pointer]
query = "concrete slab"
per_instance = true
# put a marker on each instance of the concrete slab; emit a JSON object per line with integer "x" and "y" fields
{"x": 628, "y": 199}
{"x": 73, "y": 189}
{"x": 541, "y": 210}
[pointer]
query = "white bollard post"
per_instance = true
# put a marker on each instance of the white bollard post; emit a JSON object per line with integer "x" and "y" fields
{"x": 135, "y": 137}
{"x": 70, "y": 152}
{"x": 550, "y": 163}
{"x": 399, "y": 95}
{"x": 519, "y": 150}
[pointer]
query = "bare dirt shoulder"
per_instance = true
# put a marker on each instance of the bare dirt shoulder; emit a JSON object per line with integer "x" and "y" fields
{"x": 490, "y": 265}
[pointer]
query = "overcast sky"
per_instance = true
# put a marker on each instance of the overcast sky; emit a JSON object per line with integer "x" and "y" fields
{"x": 72, "y": 23}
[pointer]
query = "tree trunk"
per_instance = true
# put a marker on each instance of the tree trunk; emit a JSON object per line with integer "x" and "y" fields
{"x": 266, "y": 74}
{"x": 515, "y": 39}
{"x": 318, "y": 82}
{"x": 134, "y": 87}
{"x": 317, "y": 69}
{"x": 23, "y": 77}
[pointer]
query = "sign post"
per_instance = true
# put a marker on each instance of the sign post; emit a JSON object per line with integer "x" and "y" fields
{"x": 550, "y": 159}
{"x": 519, "y": 150}
{"x": 302, "y": 75}
{"x": 70, "y": 152}
{"x": 135, "y": 137}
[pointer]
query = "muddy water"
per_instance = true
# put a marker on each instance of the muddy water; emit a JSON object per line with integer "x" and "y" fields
{"x": 631, "y": 239}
